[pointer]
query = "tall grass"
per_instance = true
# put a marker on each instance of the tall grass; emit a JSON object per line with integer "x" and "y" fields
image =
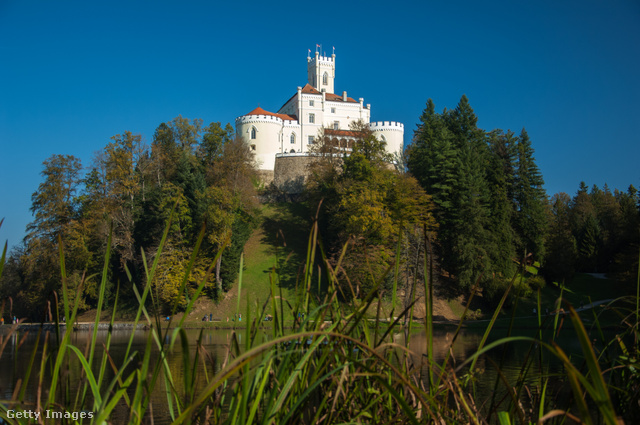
{"x": 335, "y": 366}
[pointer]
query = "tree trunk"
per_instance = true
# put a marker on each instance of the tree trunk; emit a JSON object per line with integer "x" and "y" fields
{"x": 218, "y": 280}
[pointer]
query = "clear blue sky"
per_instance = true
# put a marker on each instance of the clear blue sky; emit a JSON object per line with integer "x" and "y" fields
{"x": 75, "y": 73}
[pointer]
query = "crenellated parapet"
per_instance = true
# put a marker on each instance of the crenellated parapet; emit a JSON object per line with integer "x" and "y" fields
{"x": 391, "y": 132}
{"x": 327, "y": 60}
{"x": 386, "y": 125}
{"x": 252, "y": 119}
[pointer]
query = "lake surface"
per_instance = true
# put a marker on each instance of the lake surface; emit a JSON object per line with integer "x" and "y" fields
{"x": 19, "y": 347}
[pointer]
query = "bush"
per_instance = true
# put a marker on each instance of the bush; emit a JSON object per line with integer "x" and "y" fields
{"x": 536, "y": 282}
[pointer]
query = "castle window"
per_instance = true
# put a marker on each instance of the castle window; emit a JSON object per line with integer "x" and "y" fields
{"x": 253, "y": 147}
{"x": 253, "y": 133}
{"x": 292, "y": 138}
{"x": 292, "y": 151}
{"x": 333, "y": 110}
{"x": 325, "y": 79}
{"x": 310, "y": 140}
{"x": 336, "y": 125}
{"x": 311, "y": 103}
{"x": 312, "y": 118}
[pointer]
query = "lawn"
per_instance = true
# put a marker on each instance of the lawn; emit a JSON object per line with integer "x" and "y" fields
{"x": 275, "y": 250}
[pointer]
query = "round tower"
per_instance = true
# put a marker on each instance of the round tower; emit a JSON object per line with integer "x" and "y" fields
{"x": 391, "y": 132}
{"x": 262, "y": 132}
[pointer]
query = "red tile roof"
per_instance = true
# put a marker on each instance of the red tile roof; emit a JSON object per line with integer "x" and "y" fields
{"x": 337, "y": 98}
{"x": 285, "y": 117}
{"x": 348, "y": 133}
{"x": 308, "y": 89}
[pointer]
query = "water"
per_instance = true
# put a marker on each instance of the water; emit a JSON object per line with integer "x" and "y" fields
{"x": 19, "y": 347}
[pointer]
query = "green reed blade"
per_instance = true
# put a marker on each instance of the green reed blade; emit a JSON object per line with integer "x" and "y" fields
{"x": 95, "y": 389}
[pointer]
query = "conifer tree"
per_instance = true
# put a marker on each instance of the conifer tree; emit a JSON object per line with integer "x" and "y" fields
{"x": 530, "y": 200}
{"x": 433, "y": 160}
{"x": 500, "y": 176}
{"x": 561, "y": 252}
{"x": 471, "y": 241}
{"x": 450, "y": 158}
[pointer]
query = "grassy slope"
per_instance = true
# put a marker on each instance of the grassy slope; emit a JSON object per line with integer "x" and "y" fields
{"x": 280, "y": 241}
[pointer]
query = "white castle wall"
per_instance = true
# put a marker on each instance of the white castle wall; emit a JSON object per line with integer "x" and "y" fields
{"x": 270, "y": 133}
{"x": 317, "y": 66}
{"x": 274, "y": 134}
{"x": 393, "y": 133}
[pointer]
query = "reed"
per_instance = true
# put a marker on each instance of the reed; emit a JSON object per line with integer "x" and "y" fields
{"x": 335, "y": 366}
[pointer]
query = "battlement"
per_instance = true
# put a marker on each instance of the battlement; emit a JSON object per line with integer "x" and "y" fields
{"x": 259, "y": 118}
{"x": 326, "y": 59}
{"x": 386, "y": 125}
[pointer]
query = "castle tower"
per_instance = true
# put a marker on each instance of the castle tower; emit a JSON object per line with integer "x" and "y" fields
{"x": 321, "y": 71}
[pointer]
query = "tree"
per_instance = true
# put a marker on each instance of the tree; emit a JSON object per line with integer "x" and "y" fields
{"x": 500, "y": 176}
{"x": 530, "y": 199}
{"x": 123, "y": 184}
{"x": 365, "y": 204}
{"x": 469, "y": 243}
{"x": 56, "y": 220}
{"x": 432, "y": 160}
{"x": 53, "y": 204}
{"x": 213, "y": 140}
{"x": 562, "y": 252}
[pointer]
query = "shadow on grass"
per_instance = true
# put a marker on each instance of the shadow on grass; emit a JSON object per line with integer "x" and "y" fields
{"x": 286, "y": 229}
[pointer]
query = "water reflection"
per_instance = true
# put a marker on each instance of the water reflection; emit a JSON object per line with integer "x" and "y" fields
{"x": 20, "y": 347}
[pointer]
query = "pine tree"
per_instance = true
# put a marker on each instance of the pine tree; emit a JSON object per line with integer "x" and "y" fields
{"x": 530, "y": 198}
{"x": 500, "y": 176}
{"x": 470, "y": 222}
{"x": 450, "y": 158}
{"x": 433, "y": 161}
{"x": 561, "y": 252}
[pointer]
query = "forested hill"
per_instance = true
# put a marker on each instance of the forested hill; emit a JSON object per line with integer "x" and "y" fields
{"x": 461, "y": 204}
{"x": 202, "y": 177}
{"x": 492, "y": 210}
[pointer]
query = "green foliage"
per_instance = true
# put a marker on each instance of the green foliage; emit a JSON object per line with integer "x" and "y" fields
{"x": 530, "y": 200}
{"x": 487, "y": 189}
{"x": 333, "y": 367}
{"x": 562, "y": 253}
{"x": 536, "y": 282}
{"x": 167, "y": 285}
{"x": 53, "y": 204}
{"x": 363, "y": 202}
{"x": 201, "y": 176}
{"x": 241, "y": 229}
{"x": 595, "y": 231}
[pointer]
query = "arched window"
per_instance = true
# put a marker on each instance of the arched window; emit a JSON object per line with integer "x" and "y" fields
{"x": 325, "y": 79}
{"x": 292, "y": 138}
{"x": 253, "y": 133}
{"x": 292, "y": 151}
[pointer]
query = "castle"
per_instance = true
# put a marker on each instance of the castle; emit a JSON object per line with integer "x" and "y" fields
{"x": 281, "y": 140}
